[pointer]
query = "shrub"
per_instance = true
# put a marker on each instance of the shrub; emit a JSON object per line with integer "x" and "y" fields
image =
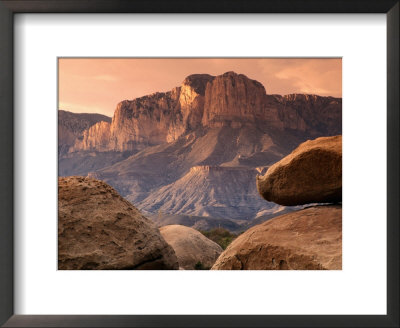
{"x": 200, "y": 266}
{"x": 221, "y": 236}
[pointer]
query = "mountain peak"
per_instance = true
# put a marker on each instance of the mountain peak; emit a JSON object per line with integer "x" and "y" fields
{"x": 198, "y": 82}
{"x": 230, "y": 73}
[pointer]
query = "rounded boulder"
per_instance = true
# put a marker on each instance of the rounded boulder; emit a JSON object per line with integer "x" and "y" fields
{"x": 192, "y": 248}
{"x": 312, "y": 173}
{"x": 98, "y": 229}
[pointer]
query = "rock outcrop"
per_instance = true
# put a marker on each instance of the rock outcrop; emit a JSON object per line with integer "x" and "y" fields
{"x": 98, "y": 229}
{"x": 310, "y": 114}
{"x": 96, "y": 137}
{"x": 309, "y": 239}
{"x": 233, "y": 97}
{"x": 312, "y": 173}
{"x": 191, "y": 247}
{"x": 205, "y": 101}
{"x": 71, "y": 127}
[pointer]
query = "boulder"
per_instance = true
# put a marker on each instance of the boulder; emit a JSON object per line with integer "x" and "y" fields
{"x": 98, "y": 229}
{"x": 309, "y": 239}
{"x": 312, "y": 173}
{"x": 191, "y": 247}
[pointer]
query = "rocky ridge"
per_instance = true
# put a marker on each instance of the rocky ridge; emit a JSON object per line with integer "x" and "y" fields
{"x": 71, "y": 127}
{"x": 205, "y": 101}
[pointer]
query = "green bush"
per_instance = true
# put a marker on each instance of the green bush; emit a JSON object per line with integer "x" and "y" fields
{"x": 221, "y": 236}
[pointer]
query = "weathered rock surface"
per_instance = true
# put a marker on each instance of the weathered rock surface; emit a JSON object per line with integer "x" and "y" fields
{"x": 233, "y": 97}
{"x": 312, "y": 173}
{"x": 191, "y": 246}
{"x": 309, "y": 239}
{"x": 96, "y": 137}
{"x": 98, "y": 229}
{"x": 72, "y": 125}
{"x": 310, "y": 114}
{"x": 205, "y": 101}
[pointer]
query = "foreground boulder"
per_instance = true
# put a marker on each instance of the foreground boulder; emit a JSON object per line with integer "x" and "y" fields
{"x": 309, "y": 239}
{"x": 98, "y": 229}
{"x": 193, "y": 249}
{"x": 312, "y": 173}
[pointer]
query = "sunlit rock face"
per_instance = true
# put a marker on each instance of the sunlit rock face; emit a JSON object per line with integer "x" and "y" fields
{"x": 96, "y": 137}
{"x": 71, "y": 127}
{"x": 203, "y": 101}
{"x": 233, "y": 97}
{"x": 191, "y": 99}
{"x": 146, "y": 121}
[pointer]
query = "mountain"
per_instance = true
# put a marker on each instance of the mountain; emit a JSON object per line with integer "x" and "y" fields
{"x": 205, "y": 101}
{"x": 216, "y": 191}
{"x": 196, "y": 149}
{"x": 72, "y": 125}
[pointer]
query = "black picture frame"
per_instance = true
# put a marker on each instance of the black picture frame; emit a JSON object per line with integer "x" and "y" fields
{"x": 10, "y": 7}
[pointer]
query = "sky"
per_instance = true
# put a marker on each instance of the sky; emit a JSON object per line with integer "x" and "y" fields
{"x": 97, "y": 85}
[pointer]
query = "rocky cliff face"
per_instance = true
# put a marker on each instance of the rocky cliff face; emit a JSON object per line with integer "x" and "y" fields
{"x": 204, "y": 101}
{"x": 233, "y": 97}
{"x": 310, "y": 113}
{"x": 71, "y": 127}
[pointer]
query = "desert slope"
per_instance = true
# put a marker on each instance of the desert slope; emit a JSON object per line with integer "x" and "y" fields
{"x": 216, "y": 191}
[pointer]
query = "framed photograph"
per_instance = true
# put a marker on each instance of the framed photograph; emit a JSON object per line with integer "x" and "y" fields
{"x": 199, "y": 164}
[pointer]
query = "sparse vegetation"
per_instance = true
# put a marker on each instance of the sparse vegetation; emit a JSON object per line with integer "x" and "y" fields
{"x": 200, "y": 266}
{"x": 221, "y": 236}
